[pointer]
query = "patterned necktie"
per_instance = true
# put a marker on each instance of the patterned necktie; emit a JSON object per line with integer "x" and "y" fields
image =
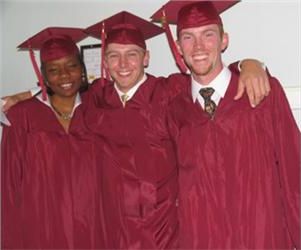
{"x": 124, "y": 99}
{"x": 210, "y": 105}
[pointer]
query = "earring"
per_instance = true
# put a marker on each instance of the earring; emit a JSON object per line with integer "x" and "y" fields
{"x": 83, "y": 77}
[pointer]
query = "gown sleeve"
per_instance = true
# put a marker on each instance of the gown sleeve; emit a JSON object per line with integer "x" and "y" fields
{"x": 12, "y": 158}
{"x": 287, "y": 151}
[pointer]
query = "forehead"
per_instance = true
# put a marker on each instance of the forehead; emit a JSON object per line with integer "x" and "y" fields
{"x": 200, "y": 29}
{"x": 116, "y": 47}
{"x": 62, "y": 60}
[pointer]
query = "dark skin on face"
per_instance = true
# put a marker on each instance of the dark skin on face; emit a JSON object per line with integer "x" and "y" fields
{"x": 64, "y": 78}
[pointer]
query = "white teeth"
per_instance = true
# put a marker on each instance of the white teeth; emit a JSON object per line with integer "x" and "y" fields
{"x": 66, "y": 85}
{"x": 199, "y": 57}
{"x": 125, "y": 73}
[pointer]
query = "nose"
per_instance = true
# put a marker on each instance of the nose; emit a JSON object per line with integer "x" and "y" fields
{"x": 64, "y": 73}
{"x": 199, "y": 43}
{"x": 123, "y": 61}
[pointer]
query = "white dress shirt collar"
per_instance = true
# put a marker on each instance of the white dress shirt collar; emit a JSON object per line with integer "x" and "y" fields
{"x": 133, "y": 90}
{"x": 219, "y": 84}
{"x": 47, "y": 102}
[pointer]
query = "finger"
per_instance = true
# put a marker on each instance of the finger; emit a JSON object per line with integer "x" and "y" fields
{"x": 250, "y": 93}
{"x": 3, "y": 102}
{"x": 240, "y": 90}
{"x": 258, "y": 90}
{"x": 262, "y": 89}
{"x": 267, "y": 86}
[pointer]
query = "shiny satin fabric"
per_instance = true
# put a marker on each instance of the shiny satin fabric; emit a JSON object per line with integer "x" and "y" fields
{"x": 239, "y": 172}
{"x": 50, "y": 193}
{"x": 139, "y": 174}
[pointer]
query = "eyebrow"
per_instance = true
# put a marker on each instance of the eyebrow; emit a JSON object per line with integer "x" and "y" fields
{"x": 130, "y": 50}
{"x": 191, "y": 33}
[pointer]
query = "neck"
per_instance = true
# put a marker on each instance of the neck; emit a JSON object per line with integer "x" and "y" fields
{"x": 127, "y": 89}
{"x": 64, "y": 102}
{"x": 63, "y": 106}
{"x": 208, "y": 77}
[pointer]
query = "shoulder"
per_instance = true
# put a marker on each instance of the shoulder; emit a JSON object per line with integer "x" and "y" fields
{"x": 277, "y": 90}
{"x": 21, "y": 111}
{"x": 97, "y": 85}
{"x": 96, "y": 90}
{"x": 24, "y": 106}
{"x": 177, "y": 83}
{"x": 155, "y": 79}
{"x": 179, "y": 77}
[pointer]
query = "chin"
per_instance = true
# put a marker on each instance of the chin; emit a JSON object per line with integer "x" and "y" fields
{"x": 70, "y": 94}
{"x": 203, "y": 71}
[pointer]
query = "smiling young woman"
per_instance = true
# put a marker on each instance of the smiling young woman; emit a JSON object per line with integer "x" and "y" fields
{"x": 50, "y": 193}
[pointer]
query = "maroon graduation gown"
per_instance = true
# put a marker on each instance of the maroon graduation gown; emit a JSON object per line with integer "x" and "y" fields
{"x": 139, "y": 174}
{"x": 239, "y": 172}
{"x": 49, "y": 190}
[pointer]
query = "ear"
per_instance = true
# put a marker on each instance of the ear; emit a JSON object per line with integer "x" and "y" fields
{"x": 225, "y": 42}
{"x": 146, "y": 59}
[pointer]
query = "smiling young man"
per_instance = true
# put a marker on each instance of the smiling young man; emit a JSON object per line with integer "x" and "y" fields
{"x": 139, "y": 180}
{"x": 239, "y": 181}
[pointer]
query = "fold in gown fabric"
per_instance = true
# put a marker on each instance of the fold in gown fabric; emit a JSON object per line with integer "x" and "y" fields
{"x": 50, "y": 194}
{"x": 239, "y": 172}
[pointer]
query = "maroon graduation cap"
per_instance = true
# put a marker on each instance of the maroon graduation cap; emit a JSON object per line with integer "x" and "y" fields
{"x": 53, "y": 43}
{"x": 189, "y": 14}
{"x": 123, "y": 28}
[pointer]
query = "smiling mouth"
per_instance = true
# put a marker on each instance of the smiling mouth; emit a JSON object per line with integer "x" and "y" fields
{"x": 199, "y": 57}
{"x": 124, "y": 74}
{"x": 66, "y": 86}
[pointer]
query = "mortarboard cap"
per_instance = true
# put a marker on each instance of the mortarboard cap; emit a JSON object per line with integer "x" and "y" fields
{"x": 172, "y": 8}
{"x": 53, "y": 43}
{"x": 189, "y": 14}
{"x": 123, "y": 28}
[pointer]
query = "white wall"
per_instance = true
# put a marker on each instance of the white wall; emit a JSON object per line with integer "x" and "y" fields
{"x": 267, "y": 30}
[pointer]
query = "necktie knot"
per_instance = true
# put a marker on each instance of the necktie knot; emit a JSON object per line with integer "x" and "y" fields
{"x": 124, "y": 99}
{"x": 206, "y": 93}
{"x": 210, "y": 105}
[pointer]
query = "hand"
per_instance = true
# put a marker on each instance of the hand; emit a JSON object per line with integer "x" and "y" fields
{"x": 254, "y": 79}
{"x": 8, "y": 102}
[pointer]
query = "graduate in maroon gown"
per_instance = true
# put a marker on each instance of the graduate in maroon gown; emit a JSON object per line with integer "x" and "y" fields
{"x": 239, "y": 168}
{"x": 139, "y": 181}
{"x": 50, "y": 196}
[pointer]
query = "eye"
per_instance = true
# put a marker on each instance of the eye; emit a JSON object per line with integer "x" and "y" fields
{"x": 132, "y": 54}
{"x": 52, "y": 71}
{"x": 73, "y": 65}
{"x": 209, "y": 33}
{"x": 186, "y": 37}
{"x": 112, "y": 56}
